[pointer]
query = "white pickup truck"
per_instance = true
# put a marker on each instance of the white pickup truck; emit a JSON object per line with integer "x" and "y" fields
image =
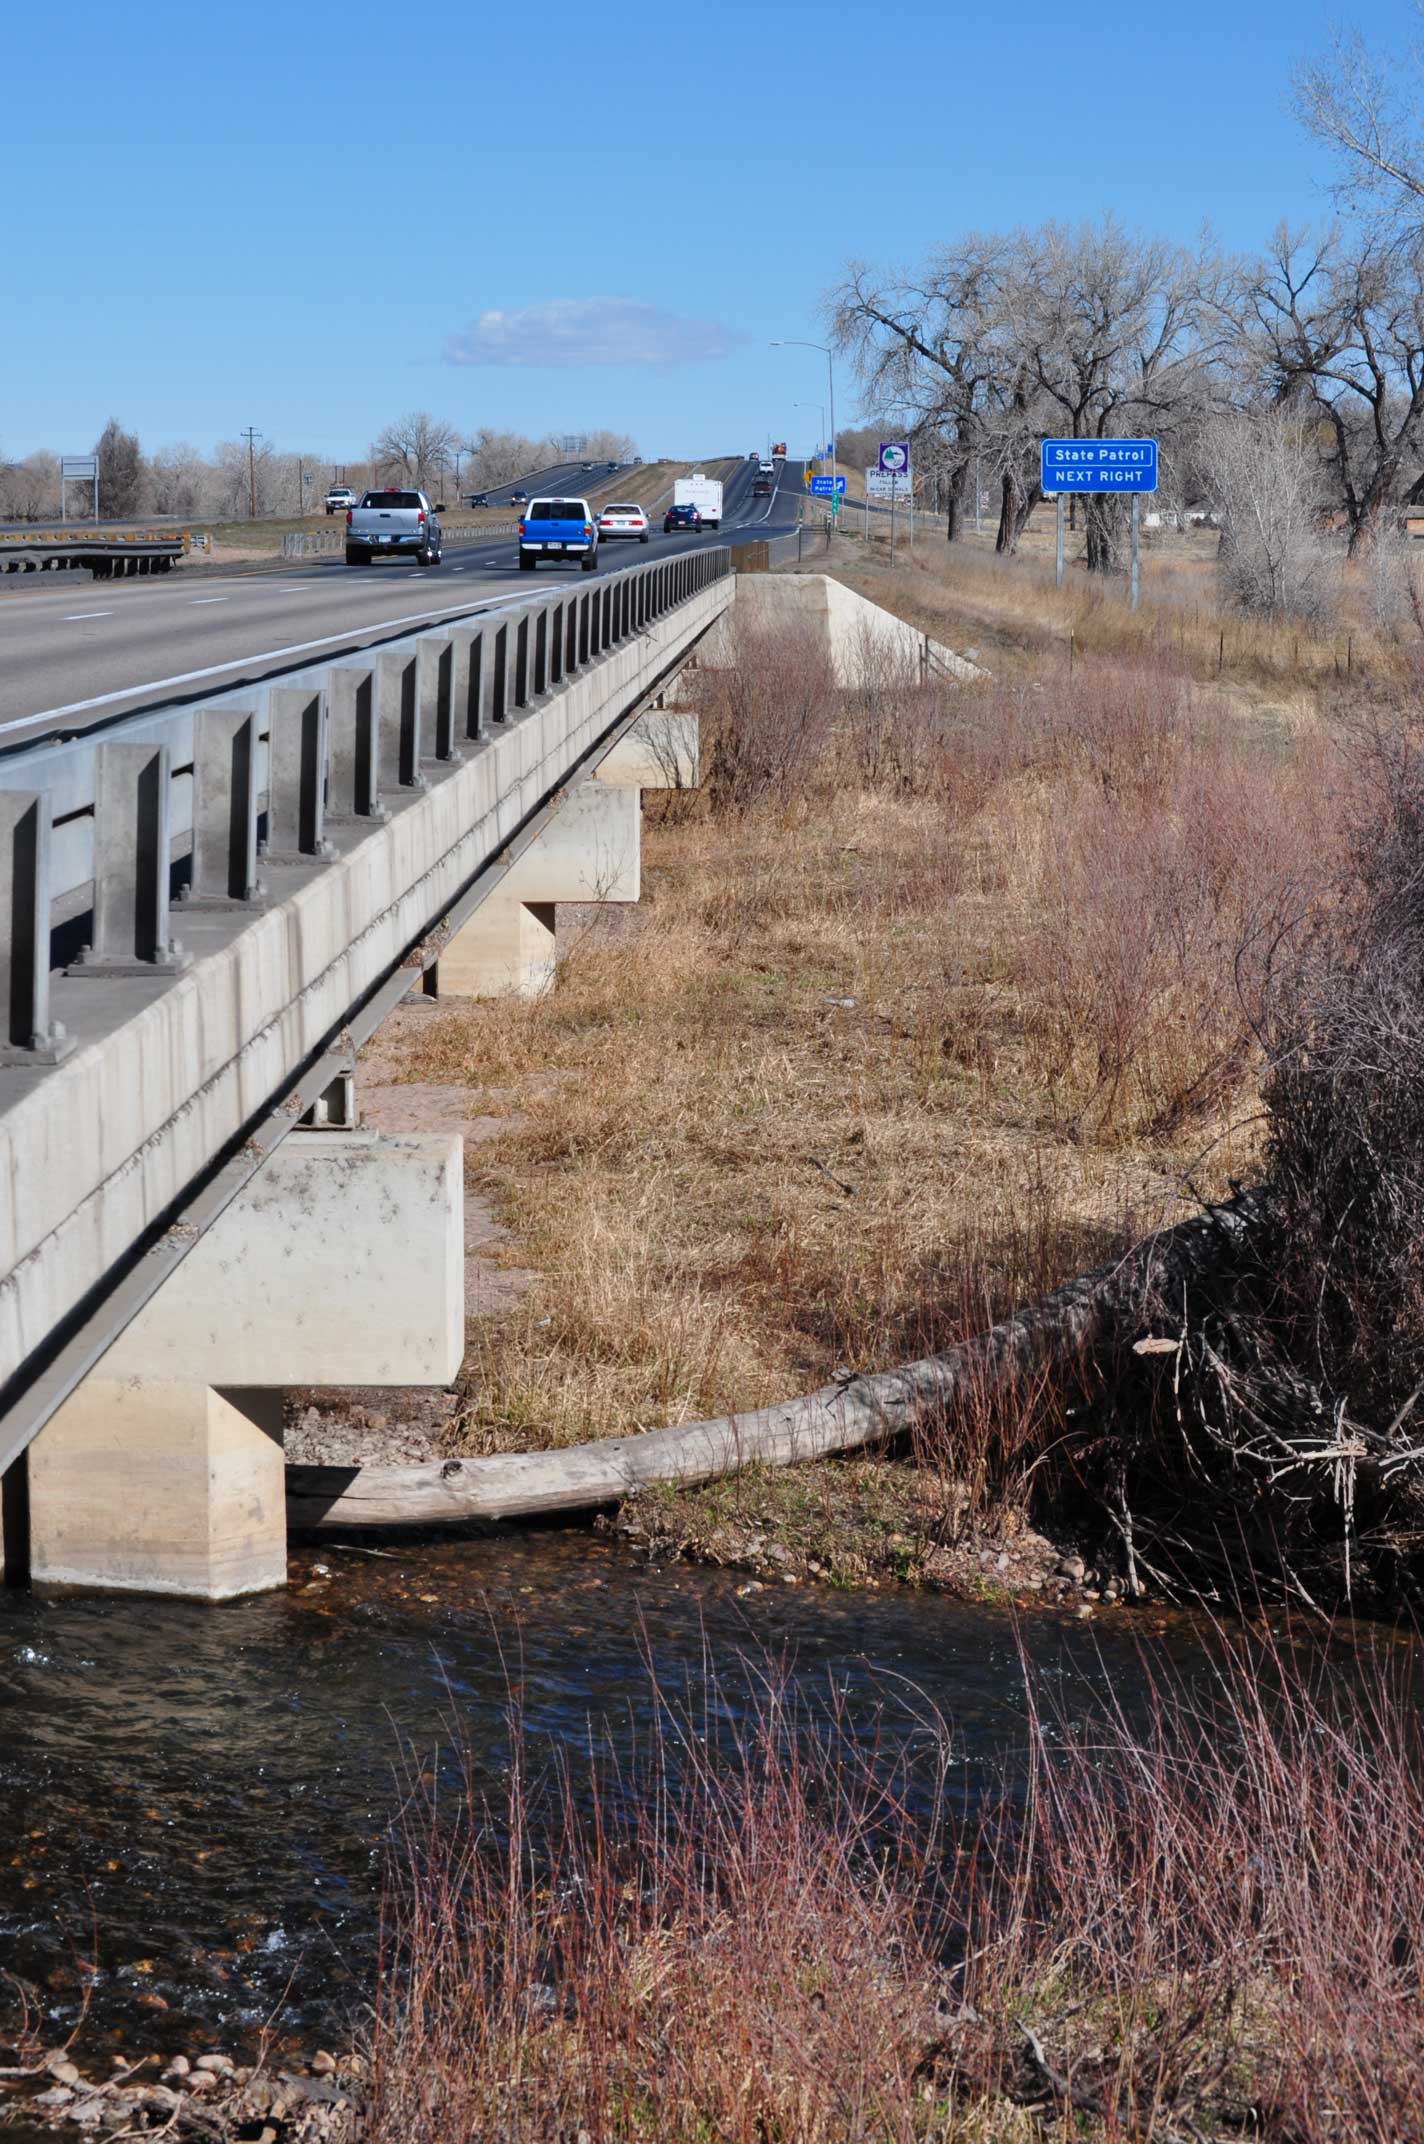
{"x": 392, "y": 524}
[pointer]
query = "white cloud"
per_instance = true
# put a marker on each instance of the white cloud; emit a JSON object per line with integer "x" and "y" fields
{"x": 588, "y": 331}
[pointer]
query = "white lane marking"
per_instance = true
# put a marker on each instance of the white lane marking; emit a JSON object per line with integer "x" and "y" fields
{"x": 194, "y": 601}
{"x": 297, "y": 647}
{"x": 72, "y": 617}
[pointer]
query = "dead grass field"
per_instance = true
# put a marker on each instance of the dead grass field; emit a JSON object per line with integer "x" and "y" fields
{"x": 933, "y": 998}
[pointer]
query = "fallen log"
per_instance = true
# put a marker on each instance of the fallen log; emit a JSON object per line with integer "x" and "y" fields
{"x": 1065, "y": 1327}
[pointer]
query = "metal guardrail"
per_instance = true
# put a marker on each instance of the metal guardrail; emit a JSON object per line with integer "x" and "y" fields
{"x": 92, "y": 826}
{"x": 106, "y": 552}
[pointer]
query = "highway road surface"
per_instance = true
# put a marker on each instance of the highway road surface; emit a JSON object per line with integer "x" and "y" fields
{"x": 74, "y": 652}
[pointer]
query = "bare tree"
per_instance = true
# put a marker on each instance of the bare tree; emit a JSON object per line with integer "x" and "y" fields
{"x": 1337, "y": 324}
{"x": 1361, "y": 108}
{"x": 29, "y": 489}
{"x": 499, "y": 457}
{"x": 1092, "y": 332}
{"x": 1263, "y": 474}
{"x": 1112, "y": 330}
{"x": 931, "y": 345}
{"x": 417, "y": 448}
{"x": 179, "y": 479}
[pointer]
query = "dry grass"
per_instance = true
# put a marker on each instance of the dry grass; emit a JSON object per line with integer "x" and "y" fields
{"x": 1024, "y": 625}
{"x": 931, "y": 1001}
{"x": 1199, "y": 1924}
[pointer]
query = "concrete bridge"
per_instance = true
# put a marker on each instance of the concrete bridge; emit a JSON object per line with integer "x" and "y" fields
{"x": 205, "y": 908}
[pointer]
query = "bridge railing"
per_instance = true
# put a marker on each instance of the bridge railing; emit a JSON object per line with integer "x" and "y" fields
{"x": 106, "y": 836}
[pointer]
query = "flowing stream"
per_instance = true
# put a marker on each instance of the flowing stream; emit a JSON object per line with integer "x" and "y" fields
{"x": 195, "y": 1800}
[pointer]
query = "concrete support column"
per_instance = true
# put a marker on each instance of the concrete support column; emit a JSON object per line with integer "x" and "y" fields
{"x": 589, "y": 851}
{"x": 160, "y": 1485}
{"x": 342, "y": 1263}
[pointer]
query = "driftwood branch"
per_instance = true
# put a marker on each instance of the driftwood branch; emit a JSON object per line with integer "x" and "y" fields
{"x": 1064, "y": 1328}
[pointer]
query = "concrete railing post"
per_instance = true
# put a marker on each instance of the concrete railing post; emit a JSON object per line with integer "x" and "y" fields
{"x": 499, "y": 682}
{"x": 132, "y": 861}
{"x": 224, "y": 810}
{"x": 398, "y": 717}
{"x": 541, "y": 653}
{"x": 435, "y": 686}
{"x": 30, "y": 1036}
{"x": 585, "y": 614}
{"x": 521, "y": 661}
{"x": 467, "y": 682}
{"x": 573, "y": 611}
{"x": 353, "y": 773}
{"x": 556, "y": 645}
{"x": 296, "y": 776}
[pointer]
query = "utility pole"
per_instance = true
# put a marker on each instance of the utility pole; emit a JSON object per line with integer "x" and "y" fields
{"x": 250, "y": 434}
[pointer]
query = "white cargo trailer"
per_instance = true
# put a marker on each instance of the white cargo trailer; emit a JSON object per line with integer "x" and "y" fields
{"x": 703, "y": 492}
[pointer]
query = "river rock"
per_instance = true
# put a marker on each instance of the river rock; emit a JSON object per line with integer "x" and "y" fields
{"x": 1072, "y": 1567}
{"x": 323, "y": 2064}
{"x": 219, "y": 2065}
{"x": 62, "y": 2070}
{"x": 180, "y": 2066}
{"x": 58, "y": 2095}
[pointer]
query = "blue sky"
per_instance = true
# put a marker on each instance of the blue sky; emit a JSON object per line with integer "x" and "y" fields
{"x": 311, "y": 217}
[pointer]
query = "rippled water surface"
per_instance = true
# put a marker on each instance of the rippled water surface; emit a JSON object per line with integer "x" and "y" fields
{"x": 195, "y": 1799}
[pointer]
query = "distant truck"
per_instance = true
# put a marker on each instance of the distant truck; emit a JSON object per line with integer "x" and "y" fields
{"x": 559, "y": 529}
{"x": 778, "y": 452}
{"x": 703, "y": 492}
{"x": 339, "y": 498}
{"x": 392, "y": 524}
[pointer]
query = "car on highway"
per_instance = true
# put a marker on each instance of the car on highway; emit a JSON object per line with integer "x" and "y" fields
{"x": 589, "y": 465}
{"x": 477, "y": 498}
{"x": 681, "y": 517}
{"x": 339, "y": 498}
{"x": 392, "y": 524}
{"x": 628, "y": 523}
{"x": 761, "y": 489}
{"x": 560, "y": 529}
{"x": 518, "y": 498}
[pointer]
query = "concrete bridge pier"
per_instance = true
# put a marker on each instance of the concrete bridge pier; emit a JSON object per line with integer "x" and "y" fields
{"x": 591, "y": 850}
{"x": 342, "y": 1263}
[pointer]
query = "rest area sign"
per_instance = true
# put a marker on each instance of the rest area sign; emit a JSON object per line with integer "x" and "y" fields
{"x": 1099, "y": 465}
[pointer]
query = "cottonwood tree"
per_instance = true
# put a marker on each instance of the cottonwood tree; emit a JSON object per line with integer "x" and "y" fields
{"x": 1336, "y": 324}
{"x": 121, "y": 472}
{"x": 930, "y": 344}
{"x": 178, "y": 479}
{"x": 499, "y": 457}
{"x": 1368, "y": 111}
{"x": 1092, "y": 332}
{"x": 1114, "y": 331}
{"x": 416, "y": 449}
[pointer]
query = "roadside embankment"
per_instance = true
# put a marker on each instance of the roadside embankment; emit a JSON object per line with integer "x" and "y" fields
{"x": 939, "y": 996}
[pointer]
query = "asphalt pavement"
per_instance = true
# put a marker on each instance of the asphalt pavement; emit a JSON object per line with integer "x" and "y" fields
{"x": 75, "y": 652}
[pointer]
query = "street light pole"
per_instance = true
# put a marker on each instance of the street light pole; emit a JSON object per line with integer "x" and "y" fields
{"x": 791, "y": 342}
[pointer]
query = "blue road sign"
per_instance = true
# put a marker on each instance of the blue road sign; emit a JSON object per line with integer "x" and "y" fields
{"x": 895, "y": 456}
{"x": 827, "y": 487}
{"x": 1099, "y": 465}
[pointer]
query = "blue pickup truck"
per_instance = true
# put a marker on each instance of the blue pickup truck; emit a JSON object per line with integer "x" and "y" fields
{"x": 558, "y": 528}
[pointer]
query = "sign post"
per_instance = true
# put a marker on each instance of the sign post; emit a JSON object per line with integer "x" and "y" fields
{"x": 894, "y": 463}
{"x": 82, "y": 468}
{"x": 1097, "y": 465}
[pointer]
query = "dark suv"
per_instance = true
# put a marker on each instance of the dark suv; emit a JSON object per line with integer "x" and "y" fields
{"x": 681, "y": 517}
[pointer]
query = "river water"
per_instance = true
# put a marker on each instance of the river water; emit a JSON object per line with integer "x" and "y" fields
{"x": 195, "y": 1800}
